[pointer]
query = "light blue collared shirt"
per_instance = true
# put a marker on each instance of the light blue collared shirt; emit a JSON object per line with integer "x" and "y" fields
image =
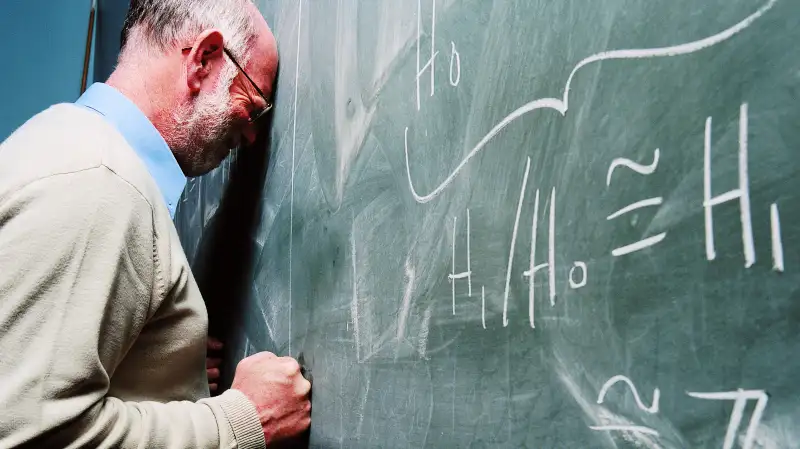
{"x": 140, "y": 133}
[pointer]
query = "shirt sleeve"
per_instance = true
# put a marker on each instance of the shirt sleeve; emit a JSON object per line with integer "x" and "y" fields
{"x": 76, "y": 286}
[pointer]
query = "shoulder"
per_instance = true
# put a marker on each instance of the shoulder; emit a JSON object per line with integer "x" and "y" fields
{"x": 69, "y": 139}
{"x": 67, "y": 172}
{"x": 57, "y": 171}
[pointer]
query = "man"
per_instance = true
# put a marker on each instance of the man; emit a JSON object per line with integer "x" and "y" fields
{"x": 103, "y": 331}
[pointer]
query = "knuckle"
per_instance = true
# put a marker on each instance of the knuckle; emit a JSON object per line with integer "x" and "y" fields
{"x": 264, "y": 355}
{"x": 243, "y": 364}
{"x": 290, "y": 366}
{"x": 255, "y": 360}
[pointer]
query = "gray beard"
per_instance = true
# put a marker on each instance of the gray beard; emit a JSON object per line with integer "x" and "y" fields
{"x": 199, "y": 131}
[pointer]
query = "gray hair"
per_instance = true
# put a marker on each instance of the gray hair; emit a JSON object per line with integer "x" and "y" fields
{"x": 164, "y": 23}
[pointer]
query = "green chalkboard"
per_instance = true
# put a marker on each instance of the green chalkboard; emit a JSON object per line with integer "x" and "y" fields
{"x": 640, "y": 157}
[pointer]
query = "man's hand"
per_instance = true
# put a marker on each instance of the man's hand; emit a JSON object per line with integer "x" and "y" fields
{"x": 212, "y": 364}
{"x": 279, "y": 392}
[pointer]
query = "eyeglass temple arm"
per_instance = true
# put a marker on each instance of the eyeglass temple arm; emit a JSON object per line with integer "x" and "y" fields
{"x": 227, "y": 52}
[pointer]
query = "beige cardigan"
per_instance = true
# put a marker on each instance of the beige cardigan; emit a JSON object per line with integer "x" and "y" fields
{"x": 102, "y": 326}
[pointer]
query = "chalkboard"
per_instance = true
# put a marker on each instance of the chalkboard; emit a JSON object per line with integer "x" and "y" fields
{"x": 424, "y": 157}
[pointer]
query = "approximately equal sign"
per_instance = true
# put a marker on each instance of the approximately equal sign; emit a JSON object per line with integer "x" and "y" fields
{"x": 641, "y": 169}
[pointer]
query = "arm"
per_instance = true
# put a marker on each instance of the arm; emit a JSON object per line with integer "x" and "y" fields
{"x": 76, "y": 287}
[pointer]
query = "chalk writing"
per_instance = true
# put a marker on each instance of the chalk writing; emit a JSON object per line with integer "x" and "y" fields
{"x": 635, "y": 166}
{"x": 430, "y": 64}
{"x": 775, "y": 232}
{"x": 561, "y": 105}
{"x": 624, "y": 427}
{"x": 551, "y": 263}
{"x": 619, "y": 168}
{"x": 742, "y": 193}
{"x": 635, "y": 206}
{"x": 454, "y": 58}
{"x": 532, "y": 263}
{"x": 577, "y": 284}
{"x": 620, "y": 378}
{"x": 641, "y": 244}
{"x": 514, "y": 241}
{"x": 483, "y": 306}
{"x": 578, "y": 275}
{"x": 740, "y": 398}
{"x": 453, "y": 276}
{"x": 656, "y": 201}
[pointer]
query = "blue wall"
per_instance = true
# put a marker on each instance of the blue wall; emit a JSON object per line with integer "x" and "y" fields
{"x": 110, "y": 19}
{"x": 43, "y": 44}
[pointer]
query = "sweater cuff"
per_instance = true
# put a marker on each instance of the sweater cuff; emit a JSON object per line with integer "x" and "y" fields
{"x": 243, "y": 418}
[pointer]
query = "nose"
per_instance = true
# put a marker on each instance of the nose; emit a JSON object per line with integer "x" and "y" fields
{"x": 249, "y": 134}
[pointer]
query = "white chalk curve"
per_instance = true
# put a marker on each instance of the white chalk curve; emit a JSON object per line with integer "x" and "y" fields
{"x": 561, "y": 105}
{"x": 635, "y": 166}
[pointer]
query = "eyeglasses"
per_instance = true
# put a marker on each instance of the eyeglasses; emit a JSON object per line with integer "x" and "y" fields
{"x": 254, "y": 115}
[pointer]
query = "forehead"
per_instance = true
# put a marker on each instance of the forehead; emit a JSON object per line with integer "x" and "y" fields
{"x": 263, "y": 62}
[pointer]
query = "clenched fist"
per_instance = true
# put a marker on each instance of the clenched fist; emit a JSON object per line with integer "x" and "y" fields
{"x": 279, "y": 392}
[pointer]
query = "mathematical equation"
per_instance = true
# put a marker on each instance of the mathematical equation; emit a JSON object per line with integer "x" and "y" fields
{"x": 739, "y": 397}
{"x": 578, "y": 272}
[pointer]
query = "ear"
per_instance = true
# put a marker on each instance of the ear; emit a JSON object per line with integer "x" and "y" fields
{"x": 206, "y": 58}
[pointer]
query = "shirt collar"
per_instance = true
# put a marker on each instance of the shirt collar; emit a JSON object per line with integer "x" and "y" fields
{"x": 140, "y": 133}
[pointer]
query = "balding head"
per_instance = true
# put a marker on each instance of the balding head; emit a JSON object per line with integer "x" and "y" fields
{"x": 162, "y": 23}
{"x": 178, "y": 64}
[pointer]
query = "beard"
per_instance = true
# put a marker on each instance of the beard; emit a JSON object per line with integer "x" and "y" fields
{"x": 202, "y": 133}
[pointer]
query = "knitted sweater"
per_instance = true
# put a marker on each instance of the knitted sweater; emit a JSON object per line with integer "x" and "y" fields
{"x": 102, "y": 327}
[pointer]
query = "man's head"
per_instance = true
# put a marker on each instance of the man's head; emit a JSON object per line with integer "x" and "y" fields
{"x": 178, "y": 63}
